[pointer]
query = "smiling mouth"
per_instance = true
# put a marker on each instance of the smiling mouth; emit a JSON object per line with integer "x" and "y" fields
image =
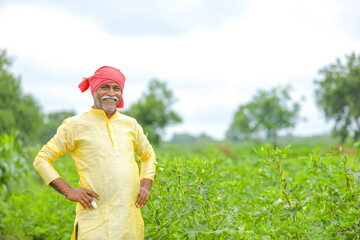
{"x": 114, "y": 98}
{"x": 109, "y": 100}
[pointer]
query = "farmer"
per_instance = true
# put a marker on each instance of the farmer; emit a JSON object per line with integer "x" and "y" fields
{"x": 102, "y": 143}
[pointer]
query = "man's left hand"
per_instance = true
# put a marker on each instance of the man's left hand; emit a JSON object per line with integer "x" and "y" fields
{"x": 144, "y": 192}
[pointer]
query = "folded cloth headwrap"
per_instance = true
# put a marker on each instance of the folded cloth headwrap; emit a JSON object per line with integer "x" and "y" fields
{"x": 103, "y": 75}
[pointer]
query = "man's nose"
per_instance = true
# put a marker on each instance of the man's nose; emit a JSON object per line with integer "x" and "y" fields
{"x": 111, "y": 92}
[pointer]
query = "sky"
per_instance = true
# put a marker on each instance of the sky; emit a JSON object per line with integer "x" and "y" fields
{"x": 213, "y": 54}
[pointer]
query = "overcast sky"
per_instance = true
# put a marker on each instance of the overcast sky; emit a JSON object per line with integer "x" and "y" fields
{"x": 214, "y": 54}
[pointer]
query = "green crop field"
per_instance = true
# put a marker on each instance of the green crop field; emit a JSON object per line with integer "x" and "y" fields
{"x": 238, "y": 191}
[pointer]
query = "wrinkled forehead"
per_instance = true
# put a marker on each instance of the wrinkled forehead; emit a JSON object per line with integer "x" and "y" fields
{"x": 110, "y": 84}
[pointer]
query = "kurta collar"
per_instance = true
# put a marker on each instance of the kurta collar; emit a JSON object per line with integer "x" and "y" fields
{"x": 101, "y": 112}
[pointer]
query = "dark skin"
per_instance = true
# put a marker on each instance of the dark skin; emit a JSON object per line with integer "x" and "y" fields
{"x": 84, "y": 196}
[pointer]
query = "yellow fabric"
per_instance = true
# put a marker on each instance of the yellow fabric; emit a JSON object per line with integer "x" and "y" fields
{"x": 104, "y": 153}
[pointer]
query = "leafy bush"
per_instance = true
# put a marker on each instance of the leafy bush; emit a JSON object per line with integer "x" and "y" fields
{"x": 28, "y": 209}
{"x": 13, "y": 164}
{"x": 266, "y": 194}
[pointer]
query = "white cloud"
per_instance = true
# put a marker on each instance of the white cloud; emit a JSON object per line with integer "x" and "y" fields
{"x": 211, "y": 71}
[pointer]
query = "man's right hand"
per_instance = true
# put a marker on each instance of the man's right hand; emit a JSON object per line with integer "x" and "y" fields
{"x": 83, "y": 196}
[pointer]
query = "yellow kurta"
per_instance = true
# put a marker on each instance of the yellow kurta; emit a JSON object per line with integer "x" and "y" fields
{"x": 103, "y": 150}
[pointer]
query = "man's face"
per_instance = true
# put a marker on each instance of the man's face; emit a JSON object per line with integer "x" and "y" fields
{"x": 107, "y": 97}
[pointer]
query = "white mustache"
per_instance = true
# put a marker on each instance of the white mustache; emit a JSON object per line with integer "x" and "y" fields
{"x": 107, "y": 97}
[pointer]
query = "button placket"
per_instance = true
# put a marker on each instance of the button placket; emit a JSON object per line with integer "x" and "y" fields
{"x": 113, "y": 141}
{"x": 109, "y": 131}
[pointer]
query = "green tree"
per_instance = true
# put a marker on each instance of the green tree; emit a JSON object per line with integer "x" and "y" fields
{"x": 338, "y": 94}
{"x": 52, "y": 122}
{"x": 153, "y": 110}
{"x": 265, "y": 115}
{"x": 19, "y": 112}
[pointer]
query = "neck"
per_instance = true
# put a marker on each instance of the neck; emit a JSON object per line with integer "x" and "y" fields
{"x": 108, "y": 114}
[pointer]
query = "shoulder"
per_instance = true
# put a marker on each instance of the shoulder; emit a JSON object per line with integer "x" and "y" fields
{"x": 126, "y": 119}
{"x": 75, "y": 118}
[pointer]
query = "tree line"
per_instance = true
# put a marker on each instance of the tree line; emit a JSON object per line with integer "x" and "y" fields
{"x": 337, "y": 94}
{"x": 267, "y": 114}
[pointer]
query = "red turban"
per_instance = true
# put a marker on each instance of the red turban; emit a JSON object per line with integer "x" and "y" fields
{"x": 103, "y": 75}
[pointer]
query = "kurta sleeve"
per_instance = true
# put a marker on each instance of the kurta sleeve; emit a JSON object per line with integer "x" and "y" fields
{"x": 145, "y": 153}
{"x": 62, "y": 142}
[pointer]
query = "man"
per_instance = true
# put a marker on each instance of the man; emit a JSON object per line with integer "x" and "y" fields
{"x": 103, "y": 143}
